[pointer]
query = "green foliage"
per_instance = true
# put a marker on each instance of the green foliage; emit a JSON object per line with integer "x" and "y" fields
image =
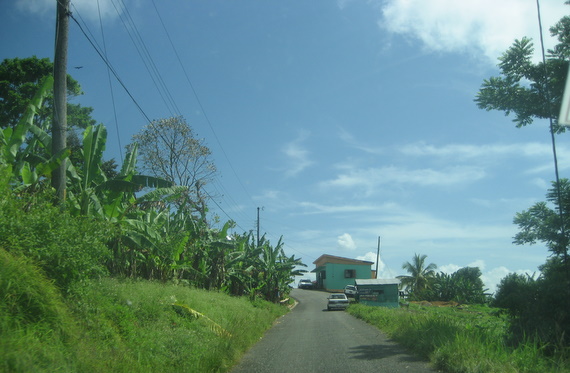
{"x": 67, "y": 249}
{"x": 112, "y": 326}
{"x": 35, "y": 324}
{"x": 468, "y": 340}
{"x": 169, "y": 328}
{"x": 19, "y": 81}
{"x": 30, "y": 164}
{"x": 540, "y": 223}
{"x": 529, "y": 90}
{"x": 420, "y": 276}
{"x": 538, "y": 307}
{"x": 27, "y": 296}
{"x": 515, "y": 292}
{"x": 561, "y": 30}
{"x": 526, "y": 89}
{"x": 463, "y": 286}
{"x": 276, "y": 270}
{"x": 154, "y": 230}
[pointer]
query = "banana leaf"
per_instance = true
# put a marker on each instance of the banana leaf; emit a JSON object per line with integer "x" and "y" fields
{"x": 13, "y": 139}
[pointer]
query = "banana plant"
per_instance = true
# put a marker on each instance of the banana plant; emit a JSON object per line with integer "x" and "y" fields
{"x": 277, "y": 269}
{"x": 242, "y": 266}
{"x": 29, "y": 157}
{"x": 91, "y": 193}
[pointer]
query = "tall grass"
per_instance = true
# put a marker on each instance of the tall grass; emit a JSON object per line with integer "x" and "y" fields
{"x": 115, "y": 326}
{"x": 144, "y": 319}
{"x": 454, "y": 340}
{"x": 35, "y": 324}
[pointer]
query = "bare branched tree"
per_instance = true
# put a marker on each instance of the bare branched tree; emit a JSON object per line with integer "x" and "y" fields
{"x": 169, "y": 149}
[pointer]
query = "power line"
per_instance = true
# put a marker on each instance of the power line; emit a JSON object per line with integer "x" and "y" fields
{"x": 159, "y": 83}
{"x": 110, "y": 84}
{"x": 146, "y": 58}
{"x": 110, "y": 67}
{"x": 199, "y": 102}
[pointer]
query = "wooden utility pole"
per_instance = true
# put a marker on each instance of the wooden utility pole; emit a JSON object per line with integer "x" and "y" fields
{"x": 377, "y": 256}
{"x": 59, "y": 127}
{"x": 258, "y": 227}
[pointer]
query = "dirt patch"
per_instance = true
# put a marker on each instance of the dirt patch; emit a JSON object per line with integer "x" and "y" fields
{"x": 436, "y": 304}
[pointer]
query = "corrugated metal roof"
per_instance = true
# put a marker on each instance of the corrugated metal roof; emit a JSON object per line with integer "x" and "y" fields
{"x": 377, "y": 281}
{"x": 326, "y": 258}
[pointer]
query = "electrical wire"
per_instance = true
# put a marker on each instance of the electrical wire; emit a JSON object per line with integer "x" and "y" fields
{"x": 200, "y": 102}
{"x": 167, "y": 98}
{"x": 110, "y": 84}
{"x": 110, "y": 67}
{"x": 146, "y": 57}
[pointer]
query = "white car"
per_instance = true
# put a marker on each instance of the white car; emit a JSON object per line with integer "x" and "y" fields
{"x": 350, "y": 290}
{"x": 305, "y": 284}
{"x": 337, "y": 302}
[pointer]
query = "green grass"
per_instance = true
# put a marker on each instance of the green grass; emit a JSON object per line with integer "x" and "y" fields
{"x": 466, "y": 340}
{"x": 121, "y": 326}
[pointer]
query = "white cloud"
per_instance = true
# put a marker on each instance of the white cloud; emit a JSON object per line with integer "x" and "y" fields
{"x": 493, "y": 277}
{"x": 478, "y": 263}
{"x": 469, "y": 26}
{"x": 371, "y": 178}
{"x": 490, "y": 278}
{"x": 86, "y": 9}
{"x": 448, "y": 268}
{"x": 345, "y": 242}
{"x": 343, "y": 3}
{"x": 316, "y": 208}
{"x": 371, "y": 257}
{"x": 40, "y": 7}
{"x": 446, "y": 165}
{"x": 349, "y": 139}
{"x": 410, "y": 227}
{"x": 383, "y": 271}
{"x": 488, "y": 151}
{"x": 297, "y": 155}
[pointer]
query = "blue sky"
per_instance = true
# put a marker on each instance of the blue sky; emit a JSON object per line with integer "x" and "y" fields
{"x": 344, "y": 120}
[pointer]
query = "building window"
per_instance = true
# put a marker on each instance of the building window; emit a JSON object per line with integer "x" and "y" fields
{"x": 350, "y": 273}
{"x": 324, "y": 275}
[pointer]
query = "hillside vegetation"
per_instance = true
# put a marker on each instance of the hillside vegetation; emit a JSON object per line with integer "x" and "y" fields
{"x": 462, "y": 339}
{"x": 108, "y": 325}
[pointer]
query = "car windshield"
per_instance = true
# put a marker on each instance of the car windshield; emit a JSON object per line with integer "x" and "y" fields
{"x": 337, "y": 296}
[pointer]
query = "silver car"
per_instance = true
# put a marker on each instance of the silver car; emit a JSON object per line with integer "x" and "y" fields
{"x": 337, "y": 302}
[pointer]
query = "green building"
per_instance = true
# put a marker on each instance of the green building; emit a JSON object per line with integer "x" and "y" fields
{"x": 378, "y": 292}
{"x": 333, "y": 273}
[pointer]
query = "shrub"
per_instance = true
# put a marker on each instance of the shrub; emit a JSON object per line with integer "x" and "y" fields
{"x": 538, "y": 308}
{"x": 67, "y": 249}
{"x": 34, "y": 322}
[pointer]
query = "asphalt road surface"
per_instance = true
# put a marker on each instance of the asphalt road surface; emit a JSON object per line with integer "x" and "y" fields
{"x": 312, "y": 339}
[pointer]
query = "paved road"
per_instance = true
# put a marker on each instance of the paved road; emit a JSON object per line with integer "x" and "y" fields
{"x": 312, "y": 339}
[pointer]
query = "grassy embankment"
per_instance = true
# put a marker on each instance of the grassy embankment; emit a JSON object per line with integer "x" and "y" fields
{"x": 467, "y": 339}
{"x": 114, "y": 326}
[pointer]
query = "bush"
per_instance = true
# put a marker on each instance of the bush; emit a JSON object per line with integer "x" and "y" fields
{"x": 67, "y": 249}
{"x": 34, "y": 322}
{"x": 538, "y": 308}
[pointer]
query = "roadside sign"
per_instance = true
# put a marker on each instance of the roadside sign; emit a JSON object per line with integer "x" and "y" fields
{"x": 564, "y": 117}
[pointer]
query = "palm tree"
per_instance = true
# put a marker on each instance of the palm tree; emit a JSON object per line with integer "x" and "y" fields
{"x": 420, "y": 275}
